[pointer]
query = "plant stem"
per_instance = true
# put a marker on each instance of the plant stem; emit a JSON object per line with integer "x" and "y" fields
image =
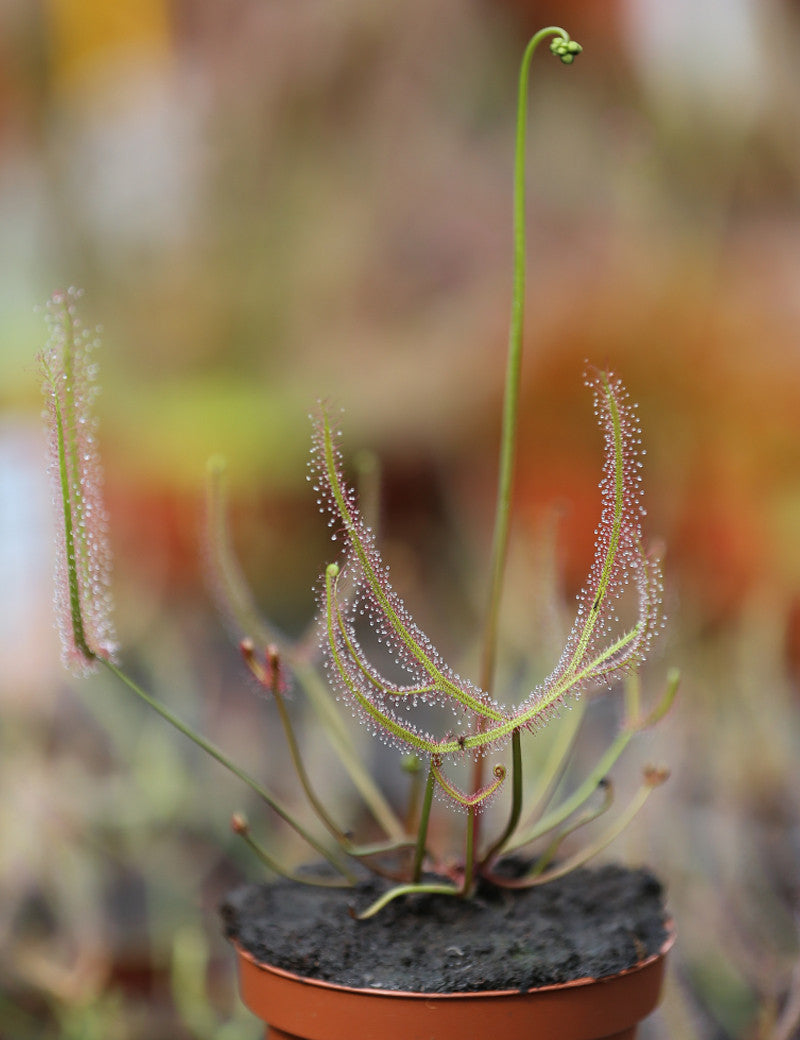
{"x": 511, "y": 393}
{"x": 516, "y": 799}
{"x": 416, "y": 886}
{"x": 411, "y": 819}
{"x": 513, "y": 370}
{"x": 469, "y": 852}
{"x": 580, "y": 795}
{"x": 344, "y": 843}
{"x": 339, "y": 738}
{"x": 294, "y": 751}
{"x": 223, "y": 759}
{"x": 422, "y": 833}
{"x": 272, "y": 864}
{"x": 407, "y": 890}
{"x": 584, "y": 855}
{"x": 551, "y": 773}
{"x": 237, "y": 600}
{"x": 544, "y": 860}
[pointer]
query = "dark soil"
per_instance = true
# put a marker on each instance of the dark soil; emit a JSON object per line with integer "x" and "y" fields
{"x": 589, "y": 924}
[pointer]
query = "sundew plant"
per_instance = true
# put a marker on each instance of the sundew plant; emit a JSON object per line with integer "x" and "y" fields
{"x": 371, "y": 654}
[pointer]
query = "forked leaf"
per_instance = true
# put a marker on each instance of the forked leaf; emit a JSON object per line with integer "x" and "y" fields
{"x": 598, "y": 649}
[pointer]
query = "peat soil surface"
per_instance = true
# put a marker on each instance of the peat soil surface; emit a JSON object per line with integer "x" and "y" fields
{"x": 591, "y": 923}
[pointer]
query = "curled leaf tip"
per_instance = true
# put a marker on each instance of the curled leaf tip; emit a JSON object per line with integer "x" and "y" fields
{"x": 267, "y": 668}
{"x": 655, "y": 776}
{"x": 239, "y": 823}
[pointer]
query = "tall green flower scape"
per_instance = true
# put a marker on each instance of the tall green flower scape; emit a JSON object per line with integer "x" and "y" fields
{"x": 377, "y": 660}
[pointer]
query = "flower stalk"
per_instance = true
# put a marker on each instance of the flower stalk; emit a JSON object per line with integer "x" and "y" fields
{"x": 566, "y": 49}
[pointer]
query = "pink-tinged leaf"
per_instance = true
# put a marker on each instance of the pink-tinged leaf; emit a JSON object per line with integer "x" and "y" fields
{"x": 479, "y": 799}
{"x": 430, "y": 678}
{"x": 598, "y": 649}
{"x": 83, "y": 558}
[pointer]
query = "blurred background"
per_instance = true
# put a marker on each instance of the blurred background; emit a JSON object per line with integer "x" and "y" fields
{"x": 272, "y": 201}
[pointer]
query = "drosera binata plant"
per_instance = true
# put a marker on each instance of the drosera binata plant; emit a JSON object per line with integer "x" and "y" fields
{"x": 357, "y": 597}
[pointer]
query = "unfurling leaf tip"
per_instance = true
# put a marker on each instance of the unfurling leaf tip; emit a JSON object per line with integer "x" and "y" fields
{"x": 655, "y": 776}
{"x": 240, "y": 824}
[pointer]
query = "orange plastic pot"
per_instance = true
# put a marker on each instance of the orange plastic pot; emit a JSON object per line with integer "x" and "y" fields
{"x": 297, "y": 1008}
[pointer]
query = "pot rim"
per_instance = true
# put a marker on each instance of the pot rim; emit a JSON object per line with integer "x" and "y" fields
{"x": 264, "y": 966}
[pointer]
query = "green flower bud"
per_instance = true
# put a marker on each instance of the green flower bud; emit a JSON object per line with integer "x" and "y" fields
{"x": 566, "y": 50}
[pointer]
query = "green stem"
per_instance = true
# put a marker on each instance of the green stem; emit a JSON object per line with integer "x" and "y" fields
{"x": 238, "y": 602}
{"x": 580, "y": 795}
{"x": 272, "y": 864}
{"x": 633, "y": 698}
{"x": 513, "y": 370}
{"x": 416, "y": 887}
{"x": 546, "y": 858}
{"x": 411, "y": 820}
{"x": 223, "y": 760}
{"x": 422, "y": 833}
{"x": 550, "y": 775}
{"x": 340, "y": 740}
{"x": 584, "y": 855}
{"x": 294, "y": 751}
{"x": 407, "y": 890}
{"x": 379, "y": 848}
{"x": 516, "y": 799}
{"x": 511, "y": 392}
{"x": 347, "y": 846}
{"x": 634, "y": 724}
{"x": 469, "y": 852}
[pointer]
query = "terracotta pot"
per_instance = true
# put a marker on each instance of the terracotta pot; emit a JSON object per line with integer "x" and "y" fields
{"x": 297, "y": 1008}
